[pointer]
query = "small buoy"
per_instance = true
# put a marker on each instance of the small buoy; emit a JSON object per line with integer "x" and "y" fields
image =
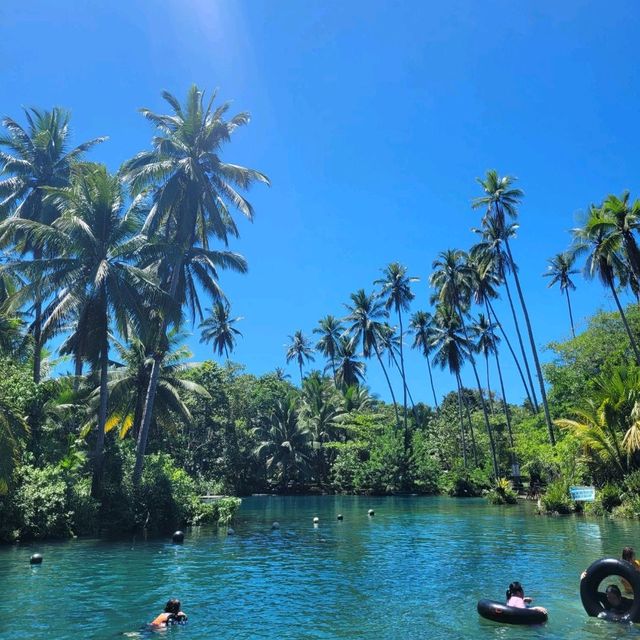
{"x": 178, "y": 537}
{"x": 340, "y": 517}
{"x": 371, "y": 512}
{"x": 316, "y": 520}
{"x": 275, "y": 525}
{"x": 230, "y": 531}
{"x": 36, "y": 558}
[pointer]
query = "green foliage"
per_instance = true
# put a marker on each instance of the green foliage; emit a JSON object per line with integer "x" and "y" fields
{"x": 226, "y": 509}
{"x": 556, "y": 498}
{"x": 502, "y": 492}
{"x": 464, "y": 483}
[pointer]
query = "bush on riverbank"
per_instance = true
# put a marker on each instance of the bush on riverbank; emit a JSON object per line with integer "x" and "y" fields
{"x": 502, "y": 492}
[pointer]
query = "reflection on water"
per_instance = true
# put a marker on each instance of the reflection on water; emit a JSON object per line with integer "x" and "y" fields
{"x": 414, "y": 570}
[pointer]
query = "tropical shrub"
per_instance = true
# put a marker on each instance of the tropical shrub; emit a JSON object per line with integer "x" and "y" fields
{"x": 502, "y": 492}
{"x": 226, "y": 509}
{"x": 464, "y": 483}
{"x": 556, "y": 498}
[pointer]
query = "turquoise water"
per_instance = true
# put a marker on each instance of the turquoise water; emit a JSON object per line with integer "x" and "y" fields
{"x": 414, "y": 570}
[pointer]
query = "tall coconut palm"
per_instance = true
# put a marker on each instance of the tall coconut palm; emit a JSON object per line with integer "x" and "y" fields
{"x": 194, "y": 192}
{"x": 349, "y": 369}
{"x": 329, "y": 329}
{"x": 218, "y": 328}
{"x": 300, "y": 350}
{"x": 396, "y": 292}
{"x": 560, "y": 270}
{"x": 486, "y": 344}
{"x": 603, "y": 260}
{"x": 485, "y": 282}
{"x": 493, "y": 261}
{"x": 390, "y": 344}
{"x": 37, "y": 157}
{"x": 452, "y": 277}
{"x": 421, "y": 324}
{"x": 501, "y": 199}
{"x": 450, "y": 350}
{"x": 621, "y": 218}
{"x": 366, "y": 314}
{"x": 91, "y": 271}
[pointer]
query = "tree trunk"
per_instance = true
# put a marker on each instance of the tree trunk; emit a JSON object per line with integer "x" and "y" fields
{"x": 470, "y": 422}
{"x": 534, "y": 350}
{"x": 534, "y": 400}
{"x": 513, "y": 353}
{"x": 404, "y": 386}
{"x": 77, "y": 373}
{"x": 515, "y": 468}
{"x": 634, "y": 346}
{"x": 573, "y": 331}
{"x": 386, "y": 375}
{"x": 300, "y": 365}
{"x": 486, "y": 358}
{"x": 433, "y": 389}
{"x": 98, "y": 455}
{"x": 482, "y": 402}
{"x": 464, "y": 445}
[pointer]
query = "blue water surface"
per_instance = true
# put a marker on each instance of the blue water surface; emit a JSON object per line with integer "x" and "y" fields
{"x": 414, "y": 570}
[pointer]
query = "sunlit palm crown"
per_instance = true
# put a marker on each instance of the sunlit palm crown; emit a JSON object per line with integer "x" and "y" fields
{"x": 561, "y": 269}
{"x": 194, "y": 190}
{"x": 396, "y": 287}
{"x": 365, "y": 317}
{"x": 500, "y": 197}
{"x": 218, "y": 328}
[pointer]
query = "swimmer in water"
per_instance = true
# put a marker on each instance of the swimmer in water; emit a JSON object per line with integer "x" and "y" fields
{"x": 170, "y": 615}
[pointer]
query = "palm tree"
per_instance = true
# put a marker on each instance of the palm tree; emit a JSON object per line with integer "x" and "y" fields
{"x": 300, "y": 350}
{"x": 493, "y": 262}
{"x": 13, "y": 433}
{"x": 500, "y": 199}
{"x": 603, "y": 260}
{"x": 91, "y": 271}
{"x": 452, "y": 277}
{"x": 356, "y": 398}
{"x": 349, "y": 370}
{"x": 622, "y": 219}
{"x": 396, "y": 289}
{"x": 330, "y": 330}
{"x": 450, "y": 349}
{"x": 38, "y": 157}
{"x": 194, "y": 191}
{"x": 284, "y": 442}
{"x": 218, "y": 328}
{"x": 422, "y": 325}
{"x": 560, "y": 270}
{"x": 129, "y": 379}
{"x": 486, "y": 344}
{"x": 365, "y": 314}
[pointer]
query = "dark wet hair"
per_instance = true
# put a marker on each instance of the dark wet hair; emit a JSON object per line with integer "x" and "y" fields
{"x": 173, "y": 606}
{"x": 628, "y": 553}
{"x": 612, "y": 588}
{"x": 514, "y": 588}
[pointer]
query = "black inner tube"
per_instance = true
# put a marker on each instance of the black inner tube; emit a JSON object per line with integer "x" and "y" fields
{"x": 601, "y": 570}
{"x": 499, "y": 612}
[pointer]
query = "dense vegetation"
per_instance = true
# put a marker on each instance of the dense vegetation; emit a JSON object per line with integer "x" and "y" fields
{"x": 113, "y": 268}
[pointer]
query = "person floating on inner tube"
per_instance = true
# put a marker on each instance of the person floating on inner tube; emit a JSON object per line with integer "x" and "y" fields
{"x": 171, "y": 615}
{"x": 629, "y": 555}
{"x": 613, "y": 602}
{"x": 517, "y": 599}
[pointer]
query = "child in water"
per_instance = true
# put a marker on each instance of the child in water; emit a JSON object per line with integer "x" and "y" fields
{"x": 517, "y": 599}
{"x": 171, "y": 615}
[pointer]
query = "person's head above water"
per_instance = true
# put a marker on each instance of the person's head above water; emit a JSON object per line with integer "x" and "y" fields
{"x": 173, "y": 606}
{"x": 515, "y": 589}
{"x": 613, "y": 595}
{"x": 628, "y": 554}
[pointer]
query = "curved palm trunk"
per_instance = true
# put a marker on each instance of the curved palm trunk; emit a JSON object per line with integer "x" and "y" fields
{"x": 492, "y": 445}
{"x": 515, "y": 467}
{"x": 634, "y": 346}
{"x": 404, "y": 385}
{"x": 534, "y": 399}
{"x": 464, "y": 445}
{"x": 513, "y": 353}
{"x": 433, "y": 389}
{"x": 470, "y": 423}
{"x": 534, "y": 350}
{"x": 150, "y": 397}
{"x": 386, "y": 375}
{"x": 573, "y": 331}
{"x": 300, "y": 365}
{"x": 77, "y": 372}
{"x": 37, "y": 342}
{"x": 98, "y": 456}
{"x": 486, "y": 358}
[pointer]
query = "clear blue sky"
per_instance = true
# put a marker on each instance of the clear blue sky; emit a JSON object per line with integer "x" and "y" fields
{"x": 372, "y": 120}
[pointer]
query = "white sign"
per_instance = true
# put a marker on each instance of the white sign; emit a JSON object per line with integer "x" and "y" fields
{"x": 583, "y": 494}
